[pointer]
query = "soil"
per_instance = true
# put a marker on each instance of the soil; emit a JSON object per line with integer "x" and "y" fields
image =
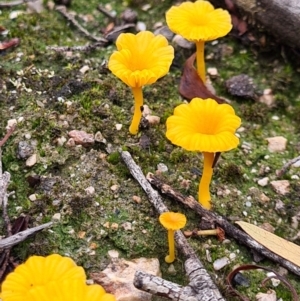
{"x": 49, "y": 95}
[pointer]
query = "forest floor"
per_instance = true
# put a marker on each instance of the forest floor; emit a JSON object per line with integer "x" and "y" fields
{"x": 51, "y": 93}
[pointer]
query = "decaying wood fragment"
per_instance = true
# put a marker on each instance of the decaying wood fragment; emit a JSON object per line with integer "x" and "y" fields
{"x": 201, "y": 286}
{"x": 222, "y": 222}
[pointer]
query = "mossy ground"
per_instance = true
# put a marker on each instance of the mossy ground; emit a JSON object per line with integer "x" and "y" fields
{"x": 34, "y": 79}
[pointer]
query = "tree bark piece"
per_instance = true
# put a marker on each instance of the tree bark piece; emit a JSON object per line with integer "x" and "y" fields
{"x": 220, "y": 221}
{"x": 281, "y": 18}
{"x": 201, "y": 286}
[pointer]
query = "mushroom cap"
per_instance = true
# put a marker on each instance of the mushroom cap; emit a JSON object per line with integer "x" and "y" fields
{"x": 141, "y": 59}
{"x": 198, "y": 21}
{"x": 172, "y": 220}
{"x": 203, "y": 125}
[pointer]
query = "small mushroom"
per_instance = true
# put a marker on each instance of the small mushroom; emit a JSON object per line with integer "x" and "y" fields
{"x": 206, "y": 126}
{"x": 140, "y": 60}
{"x": 199, "y": 22}
{"x": 172, "y": 221}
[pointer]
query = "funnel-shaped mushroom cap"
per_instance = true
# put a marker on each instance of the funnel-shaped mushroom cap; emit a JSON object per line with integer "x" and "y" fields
{"x": 203, "y": 125}
{"x": 141, "y": 59}
{"x": 198, "y": 21}
{"x": 172, "y": 220}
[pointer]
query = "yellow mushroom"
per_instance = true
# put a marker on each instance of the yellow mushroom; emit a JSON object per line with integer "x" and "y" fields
{"x": 172, "y": 221}
{"x": 206, "y": 126}
{"x": 199, "y": 22}
{"x": 140, "y": 60}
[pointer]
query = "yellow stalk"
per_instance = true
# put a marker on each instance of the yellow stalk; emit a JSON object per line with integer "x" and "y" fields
{"x": 137, "y": 115}
{"x": 204, "y": 194}
{"x": 171, "y": 257}
{"x": 200, "y": 60}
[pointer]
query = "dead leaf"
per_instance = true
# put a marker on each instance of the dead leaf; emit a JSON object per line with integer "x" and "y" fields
{"x": 274, "y": 243}
{"x": 191, "y": 85}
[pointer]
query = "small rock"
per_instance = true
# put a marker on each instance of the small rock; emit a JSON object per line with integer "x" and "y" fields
{"x": 241, "y": 280}
{"x": 208, "y": 255}
{"x": 162, "y": 167}
{"x": 279, "y": 206}
{"x": 137, "y": 199}
{"x": 153, "y": 120}
{"x": 269, "y": 296}
{"x": 113, "y": 254}
{"x": 263, "y": 182}
{"x": 56, "y": 217}
{"x": 61, "y": 140}
{"x": 276, "y": 144}
{"x": 70, "y": 143}
{"x": 146, "y": 111}
{"x": 268, "y": 227}
{"x": 220, "y": 263}
{"x": 264, "y": 198}
{"x": 99, "y": 137}
{"x": 129, "y": 16}
{"x": 119, "y": 126}
{"x": 25, "y": 150}
{"x": 84, "y": 69}
{"x": 267, "y": 98}
{"x": 118, "y": 277}
{"x": 275, "y": 281}
{"x": 114, "y": 188}
{"x": 114, "y": 226}
{"x": 90, "y": 190}
{"x": 141, "y": 26}
{"x": 81, "y": 137}
{"x": 171, "y": 269}
{"x": 31, "y": 160}
{"x": 212, "y": 72}
{"x": 281, "y": 186}
{"x": 182, "y": 42}
{"x": 32, "y": 197}
{"x": 242, "y": 86}
{"x": 11, "y": 123}
{"x": 127, "y": 226}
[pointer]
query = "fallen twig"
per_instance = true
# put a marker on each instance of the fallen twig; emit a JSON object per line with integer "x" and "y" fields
{"x": 10, "y": 241}
{"x": 201, "y": 286}
{"x": 14, "y": 3}
{"x": 63, "y": 10}
{"x": 220, "y": 221}
{"x": 286, "y": 166}
{"x": 85, "y": 48}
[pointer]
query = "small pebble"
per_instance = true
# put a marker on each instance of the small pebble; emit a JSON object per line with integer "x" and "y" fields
{"x": 141, "y": 26}
{"x": 220, "y": 263}
{"x": 171, "y": 269}
{"x": 31, "y": 160}
{"x": 137, "y": 199}
{"x": 281, "y": 186}
{"x": 162, "y": 167}
{"x": 56, "y": 217}
{"x": 248, "y": 204}
{"x": 153, "y": 120}
{"x": 277, "y": 144}
{"x": 182, "y": 42}
{"x": 90, "y": 190}
{"x": 119, "y": 126}
{"x": 32, "y": 197}
{"x": 84, "y": 69}
{"x": 114, "y": 187}
{"x": 263, "y": 182}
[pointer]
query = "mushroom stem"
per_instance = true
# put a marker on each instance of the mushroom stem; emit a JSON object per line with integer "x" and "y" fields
{"x": 204, "y": 194}
{"x": 138, "y": 103}
{"x": 171, "y": 257}
{"x": 200, "y": 60}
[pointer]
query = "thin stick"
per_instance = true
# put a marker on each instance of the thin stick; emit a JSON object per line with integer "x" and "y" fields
{"x": 14, "y": 3}
{"x": 63, "y": 10}
{"x": 286, "y": 166}
{"x": 85, "y": 48}
{"x": 214, "y": 218}
{"x": 10, "y": 241}
{"x": 201, "y": 286}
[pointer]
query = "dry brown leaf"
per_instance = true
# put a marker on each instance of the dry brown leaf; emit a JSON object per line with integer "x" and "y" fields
{"x": 274, "y": 243}
{"x": 191, "y": 85}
